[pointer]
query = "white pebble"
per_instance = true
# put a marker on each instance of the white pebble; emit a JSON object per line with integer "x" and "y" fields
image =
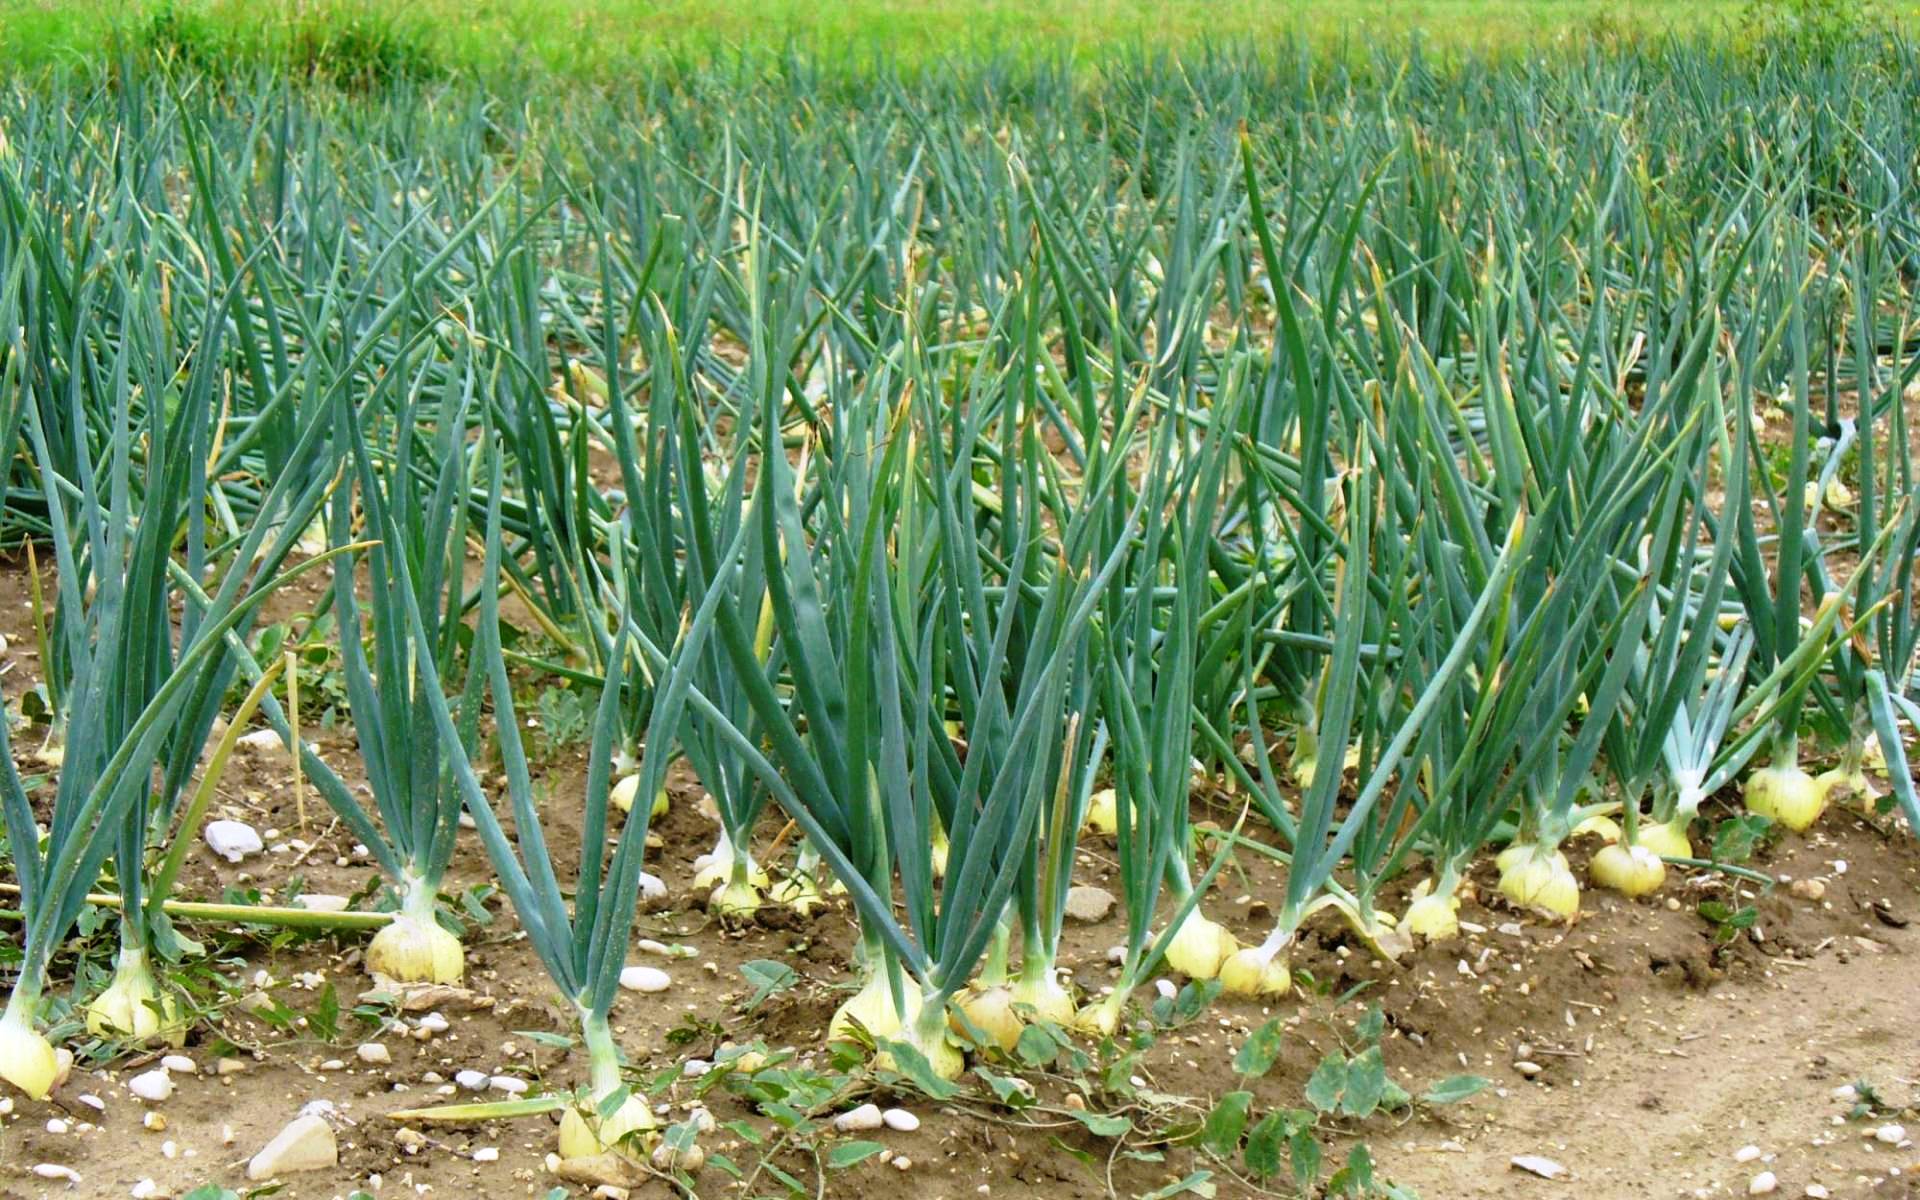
{"x": 146, "y": 1189}
{"x": 333, "y": 1064}
{"x": 512, "y": 1085}
{"x": 472, "y": 1081}
{"x": 903, "y": 1163}
{"x": 859, "y": 1120}
{"x": 1746, "y": 1154}
{"x": 56, "y": 1125}
{"x": 233, "y": 840}
{"x": 901, "y": 1120}
{"x": 374, "y": 1054}
{"x": 487, "y": 1154}
{"x": 92, "y": 1101}
{"x": 645, "y": 979}
{"x": 694, "y": 1068}
{"x": 1816, "y": 1192}
{"x": 1762, "y": 1184}
{"x": 56, "y": 1171}
{"x": 651, "y": 888}
{"x": 180, "y": 1064}
{"x": 1165, "y": 988}
{"x": 433, "y": 1023}
{"x": 152, "y": 1086}
{"x": 1892, "y": 1135}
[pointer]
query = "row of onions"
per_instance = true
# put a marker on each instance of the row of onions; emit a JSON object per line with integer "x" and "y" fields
{"x": 936, "y": 554}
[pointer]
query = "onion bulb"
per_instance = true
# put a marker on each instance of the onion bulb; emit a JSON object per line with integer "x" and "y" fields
{"x": 1101, "y": 1018}
{"x": 1540, "y": 879}
{"x": 1785, "y": 794}
{"x": 1433, "y": 915}
{"x": 1633, "y": 871}
{"x": 1199, "y": 946}
{"x": 1603, "y": 827}
{"x": 1103, "y": 813}
{"x": 133, "y": 1007}
{"x": 1668, "y": 840}
{"x": 27, "y": 1060}
{"x": 1043, "y": 994}
{"x": 735, "y": 899}
{"x": 1256, "y": 971}
{"x": 624, "y": 791}
{"x": 1848, "y": 786}
{"x": 927, "y": 1033}
{"x": 799, "y": 892}
{"x": 587, "y": 1134}
{"x": 872, "y": 1007}
{"x": 990, "y": 1010}
{"x": 415, "y": 949}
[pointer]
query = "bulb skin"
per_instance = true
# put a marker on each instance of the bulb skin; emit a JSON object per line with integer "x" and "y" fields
{"x": 1103, "y": 813}
{"x": 1253, "y": 972}
{"x": 1432, "y": 915}
{"x": 133, "y": 1008}
{"x": 1049, "y": 1001}
{"x": 629, "y": 786}
{"x": 1668, "y": 840}
{"x": 1786, "y": 795}
{"x": 1541, "y": 881}
{"x": 584, "y": 1135}
{"x": 27, "y": 1059}
{"x": 1633, "y": 871}
{"x": 990, "y": 1010}
{"x": 1199, "y": 947}
{"x": 872, "y": 1007}
{"x": 415, "y": 949}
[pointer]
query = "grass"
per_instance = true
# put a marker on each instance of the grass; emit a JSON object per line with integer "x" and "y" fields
{"x": 602, "y": 40}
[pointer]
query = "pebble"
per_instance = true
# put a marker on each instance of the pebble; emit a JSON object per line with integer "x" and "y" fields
{"x": 230, "y": 1066}
{"x": 1165, "y": 988}
{"x": 1847, "y": 1093}
{"x": 1892, "y": 1135}
{"x": 1816, "y": 1192}
{"x": 1763, "y": 1184}
{"x": 180, "y": 1064}
{"x": 262, "y": 741}
{"x": 6, "y": 1106}
{"x": 374, "y": 1054}
{"x": 1088, "y": 905}
{"x": 333, "y": 1064}
{"x": 307, "y": 1144}
{"x": 651, "y": 888}
{"x": 56, "y": 1171}
{"x": 694, "y": 1068}
{"x": 859, "y": 1120}
{"x": 92, "y": 1101}
{"x": 512, "y": 1085}
{"x": 472, "y": 1081}
{"x": 233, "y": 840}
{"x": 1808, "y": 889}
{"x": 487, "y": 1154}
{"x": 1527, "y": 1068}
{"x": 901, "y": 1120}
{"x": 146, "y": 1189}
{"x": 322, "y": 902}
{"x": 57, "y": 1125}
{"x": 902, "y": 1163}
{"x": 433, "y": 1023}
{"x": 645, "y": 979}
{"x": 152, "y": 1086}
{"x": 1746, "y": 1154}
{"x": 1116, "y": 955}
{"x": 154, "y": 1122}
{"x": 1534, "y": 1164}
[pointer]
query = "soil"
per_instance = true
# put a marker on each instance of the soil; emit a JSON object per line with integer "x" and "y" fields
{"x": 1661, "y": 1053}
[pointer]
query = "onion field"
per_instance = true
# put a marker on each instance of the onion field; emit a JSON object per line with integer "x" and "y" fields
{"x": 1221, "y": 624}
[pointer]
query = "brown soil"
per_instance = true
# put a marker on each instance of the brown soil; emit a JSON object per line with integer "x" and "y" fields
{"x": 1661, "y": 1054}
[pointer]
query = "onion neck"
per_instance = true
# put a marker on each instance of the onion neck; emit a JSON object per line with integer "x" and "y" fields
{"x": 418, "y": 898}
{"x": 603, "y": 1055}
{"x": 23, "y": 1005}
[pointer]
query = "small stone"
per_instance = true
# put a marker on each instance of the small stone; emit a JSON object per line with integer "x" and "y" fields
{"x": 487, "y": 1154}
{"x": 180, "y": 1064}
{"x": 307, "y": 1144}
{"x": 471, "y": 1081}
{"x": 93, "y": 1102}
{"x": 1892, "y": 1135}
{"x": 645, "y": 979}
{"x": 374, "y": 1054}
{"x": 1528, "y": 1068}
{"x": 1088, "y": 905}
{"x": 900, "y": 1120}
{"x": 56, "y": 1171}
{"x": 651, "y": 887}
{"x": 1808, "y": 889}
{"x": 322, "y": 902}
{"x": 154, "y": 1122}
{"x": 261, "y": 741}
{"x": 1165, "y": 988}
{"x": 1816, "y": 1192}
{"x": 230, "y": 1066}
{"x": 333, "y": 1064}
{"x": 1534, "y": 1164}
{"x": 57, "y": 1125}
{"x": 1746, "y": 1154}
{"x": 152, "y": 1086}
{"x": 234, "y": 841}
{"x": 1116, "y": 955}
{"x": 859, "y": 1120}
{"x": 902, "y": 1163}
{"x": 433, "y": 1022}
{"x": 146, "y": 1189}
{"x": 1763, "y": 1184}
{"x": 512, "y": 1085}
{"x": 1846, "y": 1093}
{"x": 694, "y": 1068}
